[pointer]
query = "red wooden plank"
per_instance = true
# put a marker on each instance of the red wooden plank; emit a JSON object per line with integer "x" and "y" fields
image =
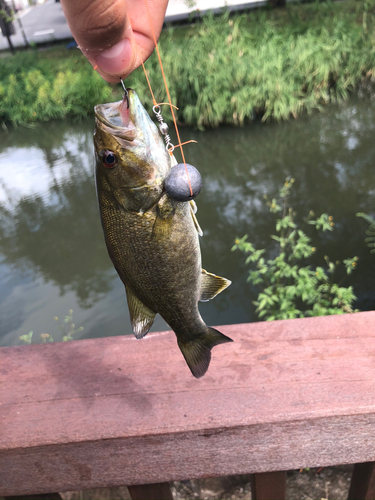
{"x": 362, "y": 486}
{"x": 284, "y": 395}
{"x": 268, "y": 486}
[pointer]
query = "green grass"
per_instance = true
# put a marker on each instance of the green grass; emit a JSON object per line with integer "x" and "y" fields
{"x": 53, "y": 83}
{"x": 272, "y": 64}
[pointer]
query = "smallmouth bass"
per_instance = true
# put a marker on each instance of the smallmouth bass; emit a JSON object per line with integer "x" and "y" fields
{"x": 151, "y": 238}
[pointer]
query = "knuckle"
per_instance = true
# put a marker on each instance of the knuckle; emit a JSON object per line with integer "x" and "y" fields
{"x": 102, "y": 25}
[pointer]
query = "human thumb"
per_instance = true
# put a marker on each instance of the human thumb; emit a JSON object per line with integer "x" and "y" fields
{"x": 104, "y": 34}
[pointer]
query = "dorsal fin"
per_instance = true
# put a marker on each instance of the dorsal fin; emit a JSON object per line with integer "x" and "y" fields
{"x": 141, "y": 316}
{"x": 211, "y": 285}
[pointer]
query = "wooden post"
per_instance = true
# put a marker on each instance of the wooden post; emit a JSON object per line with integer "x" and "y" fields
{"x": 113, "y": 411}
{"x": 11, "y": 47}
{"x": 155, "y": 491}
{"x": 362, "y": 486}
{"x": 6, "y": 24}
{"x": 268, "y": 486}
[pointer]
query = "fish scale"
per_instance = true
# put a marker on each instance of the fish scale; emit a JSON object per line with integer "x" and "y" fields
{"x": 152, "y": 239}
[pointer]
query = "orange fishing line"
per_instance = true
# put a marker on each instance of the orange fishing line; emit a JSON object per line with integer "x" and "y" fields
{"x": 187, "y": 142}
{"x": 148, "y": 81}
{"x": 167, "y": 104}
{"x": 168, "y": 94}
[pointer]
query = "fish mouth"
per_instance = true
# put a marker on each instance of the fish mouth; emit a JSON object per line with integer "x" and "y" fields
{"x": 117, "y": 118}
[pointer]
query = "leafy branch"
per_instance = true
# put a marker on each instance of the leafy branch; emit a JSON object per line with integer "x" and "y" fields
{"x": 370, "y": 231}
{"x": 66, "y": 326}
{"x": 288, "y": 288}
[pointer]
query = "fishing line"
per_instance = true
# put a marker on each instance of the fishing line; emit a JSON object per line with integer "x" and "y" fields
{"x": 156, "y": 107}
{"x": 146, "y": 75}
{"x": 157, "y": 104}
{"x": 168, "y": 94}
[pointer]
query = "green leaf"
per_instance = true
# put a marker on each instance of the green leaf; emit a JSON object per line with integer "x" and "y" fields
{"x": 289, "y": 286}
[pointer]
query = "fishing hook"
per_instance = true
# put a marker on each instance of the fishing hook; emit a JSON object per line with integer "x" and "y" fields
{"x": 126, "y": 93}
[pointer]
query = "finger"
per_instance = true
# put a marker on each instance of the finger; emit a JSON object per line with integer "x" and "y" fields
{"x": 146, "y": 18}
{"x": 115, "y": 35}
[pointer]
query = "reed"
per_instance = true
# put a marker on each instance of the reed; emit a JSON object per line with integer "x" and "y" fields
{"x": 53, "y": 84}
{"x": 271, "y": 64}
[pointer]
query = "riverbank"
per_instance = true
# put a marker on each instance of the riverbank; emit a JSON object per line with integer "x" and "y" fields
{"x": 271, "y": 64}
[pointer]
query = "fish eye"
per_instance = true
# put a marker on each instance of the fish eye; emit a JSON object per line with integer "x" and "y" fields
{"x": 109, "y": 159}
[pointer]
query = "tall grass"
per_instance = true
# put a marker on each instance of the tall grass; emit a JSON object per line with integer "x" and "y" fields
{"x": 227, "y": 69}
{"x": 53, "y": 83}
{"x": 269, "y": 63}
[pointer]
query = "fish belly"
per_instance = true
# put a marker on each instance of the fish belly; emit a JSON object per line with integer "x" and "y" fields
{"x": 163, "y": 271}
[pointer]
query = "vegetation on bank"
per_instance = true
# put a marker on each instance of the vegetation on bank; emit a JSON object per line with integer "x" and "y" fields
{"x": 288, "y": 285}
{"x": 48, "y": 84}
{"x": 227, "y": 69}
{"x": 370, "y": 231}
{"x": 66, "y": 327}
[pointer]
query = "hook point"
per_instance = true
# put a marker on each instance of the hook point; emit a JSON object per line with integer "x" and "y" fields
{"x": 126, "y": 93}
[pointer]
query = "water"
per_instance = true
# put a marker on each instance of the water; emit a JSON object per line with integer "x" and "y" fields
{"x": 52, "y": 252}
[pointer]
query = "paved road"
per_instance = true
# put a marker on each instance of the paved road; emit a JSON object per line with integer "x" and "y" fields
{"x": 42, "y": 23}
{"x": 177, "y": 9}
{"x": 46, "y": 22}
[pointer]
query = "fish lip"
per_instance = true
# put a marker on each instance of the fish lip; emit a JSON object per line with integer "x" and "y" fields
{"x": 103, "y": 120}
{"x": 126, "y": 132}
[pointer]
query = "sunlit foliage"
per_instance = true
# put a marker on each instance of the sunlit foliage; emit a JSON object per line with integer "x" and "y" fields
{"x": 289, "y": 286}
{"x": 370, "y": 240}
{"x": 273, "y": 64}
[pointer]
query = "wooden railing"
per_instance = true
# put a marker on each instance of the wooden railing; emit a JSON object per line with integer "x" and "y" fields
{"x": 119, "y": 411}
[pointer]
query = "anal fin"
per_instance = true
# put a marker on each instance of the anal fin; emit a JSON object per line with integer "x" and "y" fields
{"x": 141, "y": 316}
{"x": 211, "y": 285}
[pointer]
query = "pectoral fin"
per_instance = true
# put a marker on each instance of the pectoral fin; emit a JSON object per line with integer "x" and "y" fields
{"x": 211, "y": 285}
{"x": 193, "y": 211}
{"x": 165, "y": 210}
{"x": 193, "y": 206}
{"x": 141, "y": 316}
{"x": 162, "y": 228}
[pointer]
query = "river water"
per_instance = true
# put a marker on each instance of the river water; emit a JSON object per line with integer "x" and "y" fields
{"x": 52, "y": 253}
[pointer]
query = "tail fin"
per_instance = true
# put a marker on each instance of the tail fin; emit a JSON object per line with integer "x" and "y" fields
{"x": 197, "y": 352}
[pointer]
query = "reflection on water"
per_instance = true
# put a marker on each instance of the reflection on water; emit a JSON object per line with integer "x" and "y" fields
{"x": 52, "y": 252}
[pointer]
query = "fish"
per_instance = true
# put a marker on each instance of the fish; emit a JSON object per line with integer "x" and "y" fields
{"x": 151, "y": 238}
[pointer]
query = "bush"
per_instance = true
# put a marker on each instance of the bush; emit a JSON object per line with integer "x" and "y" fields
{"x": 290, "y": 288}
{"x": 370, "y": 231}
{"x": 47, "y": 85}
{"x": 267, "y": 63}
{"x": 225, "y": 69}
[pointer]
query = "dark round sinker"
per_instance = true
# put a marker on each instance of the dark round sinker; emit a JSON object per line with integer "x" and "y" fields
{"x": 177, "y": 182}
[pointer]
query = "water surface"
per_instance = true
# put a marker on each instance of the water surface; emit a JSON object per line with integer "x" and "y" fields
{"x": 52, "y": 252}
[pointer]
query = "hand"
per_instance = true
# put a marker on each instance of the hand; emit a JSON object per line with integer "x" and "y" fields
{"x": 115, "y": 35}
